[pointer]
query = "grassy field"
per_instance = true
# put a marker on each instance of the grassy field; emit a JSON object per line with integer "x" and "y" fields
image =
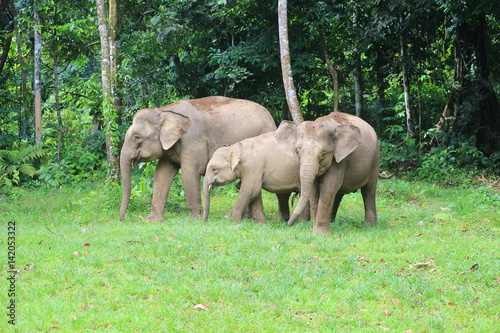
{"x": 432, "y": 265}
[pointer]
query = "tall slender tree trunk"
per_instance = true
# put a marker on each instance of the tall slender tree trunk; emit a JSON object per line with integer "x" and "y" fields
{"x": 358, "y": 87}
{"x": 332, "y": 70}
{"x": 109, "y": 113}
{"x": 57, "y": 107}
{"x": 286, "y": 66}
{"x": 358, "y": 71}
{"x": 114, "y": 54}
{"x": 38, "y": 65}
{"x": 410, "y": 126}
{"x": 24, "y": 112}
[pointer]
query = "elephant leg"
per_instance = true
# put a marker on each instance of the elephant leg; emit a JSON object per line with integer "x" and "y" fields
{"x": 248, "y": 193}
{"x": 257, "y": 209}
{"x": 164, "y": 175}
{"x": 191, "y": 184}
{"x": 369, "y": 192}
{"x": 283, "y": 207}
{"x": 336, "y": 204}
{"x": 328, "y": 188}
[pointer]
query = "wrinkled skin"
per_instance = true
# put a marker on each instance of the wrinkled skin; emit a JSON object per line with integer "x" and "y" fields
{"x": 260, "y": 163}
{"x": 339, "y": 153}
{"x": 184, "y": 135}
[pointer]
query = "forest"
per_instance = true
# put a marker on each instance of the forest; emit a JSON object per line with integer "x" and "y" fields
{"x": 423, "y": 73}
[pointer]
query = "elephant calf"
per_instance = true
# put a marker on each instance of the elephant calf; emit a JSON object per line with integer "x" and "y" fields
{"x": 260, "y": 162}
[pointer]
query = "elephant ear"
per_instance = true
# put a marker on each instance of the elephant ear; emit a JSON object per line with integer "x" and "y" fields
{"x": 347, "y": 138}
{"x": 172, "y": 128}
{"x": 286, "y": 136}
{"x": 235, "y": 155}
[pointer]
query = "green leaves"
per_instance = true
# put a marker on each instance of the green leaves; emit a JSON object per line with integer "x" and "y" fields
{"x": 14, "y": 164}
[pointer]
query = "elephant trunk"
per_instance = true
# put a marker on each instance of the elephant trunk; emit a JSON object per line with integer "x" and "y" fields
{"x": 126, "y": 169}
{"x": 206, "y": 195}
{"x": 307, "y": 177}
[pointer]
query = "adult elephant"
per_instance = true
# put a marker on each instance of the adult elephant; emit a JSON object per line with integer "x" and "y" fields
{"x": 338, "y": 154}
{"x": 184, "y": 135}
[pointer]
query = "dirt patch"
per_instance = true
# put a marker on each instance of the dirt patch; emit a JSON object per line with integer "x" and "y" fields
{"x": 341, "y": 118}
{"x": 210, "y": 103}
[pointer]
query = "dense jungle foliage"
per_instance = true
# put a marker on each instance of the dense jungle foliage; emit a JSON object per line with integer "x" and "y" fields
{"x": 424, "y": 73}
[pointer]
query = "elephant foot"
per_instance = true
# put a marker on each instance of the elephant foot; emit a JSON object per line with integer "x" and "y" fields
{"x": 155, "y": 217}
{"x": 321, "y": 230}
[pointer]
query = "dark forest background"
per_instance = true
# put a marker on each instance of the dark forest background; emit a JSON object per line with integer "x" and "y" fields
{"x": 424, "y": 73}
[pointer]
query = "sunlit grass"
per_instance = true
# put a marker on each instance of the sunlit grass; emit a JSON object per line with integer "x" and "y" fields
{"x": 94, "y": 272}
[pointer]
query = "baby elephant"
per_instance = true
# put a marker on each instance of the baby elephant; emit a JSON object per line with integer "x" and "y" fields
{"x": 260, "y": 162}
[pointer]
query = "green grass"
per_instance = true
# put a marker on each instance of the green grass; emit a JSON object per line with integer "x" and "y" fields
{"x": 93, "y": 272}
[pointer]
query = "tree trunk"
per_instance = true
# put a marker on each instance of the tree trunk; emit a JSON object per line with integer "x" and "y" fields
{"x": 58, "y": 108}
{"x": 114, "y": 54}
{"x": 333, "y": 72}
{"x": 410, "y": 127}
{"x": 5, "y": 52}
{"x": 358, "y": 88}
{"x": 24, "y": 112}
{"x": 36, "y": 85}
{"x": 109, "y": 114}
{"x": 286, "y": 67}
{"x": 358, "y": 72}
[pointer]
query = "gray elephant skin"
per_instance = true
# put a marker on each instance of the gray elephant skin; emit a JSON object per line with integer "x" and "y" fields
{"x": 338, "y": 154}
{"x": 260, "y": 163}
{"x": 184, "y": 135}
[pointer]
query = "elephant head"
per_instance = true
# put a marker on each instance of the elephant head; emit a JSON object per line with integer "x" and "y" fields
{"x": 152, "y": 133}
{"x": 221, "y": 170}
{"x": 317, "y": 144}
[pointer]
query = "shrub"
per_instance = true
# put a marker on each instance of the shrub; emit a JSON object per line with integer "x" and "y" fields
{"x": 17, "y": 165}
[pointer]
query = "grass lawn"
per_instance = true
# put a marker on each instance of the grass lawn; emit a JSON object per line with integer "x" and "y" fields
{"x": 432, "y": 265}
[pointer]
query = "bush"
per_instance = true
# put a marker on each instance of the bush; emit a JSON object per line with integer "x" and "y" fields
{"x": 17, "y": 165}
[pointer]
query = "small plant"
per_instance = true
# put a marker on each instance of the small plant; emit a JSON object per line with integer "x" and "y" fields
{"x": 17, "y": 164}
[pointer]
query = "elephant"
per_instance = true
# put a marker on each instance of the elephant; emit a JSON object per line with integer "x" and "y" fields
{"x": 184, "y": 135}
{"x": 339, "y": 154}
{"x": 260, "y": 162}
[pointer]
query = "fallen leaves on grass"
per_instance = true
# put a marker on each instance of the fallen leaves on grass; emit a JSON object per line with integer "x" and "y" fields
{"x": 29, "y": 266}
{"x": 201, "y": 306}
{"x": 423, "y": 264}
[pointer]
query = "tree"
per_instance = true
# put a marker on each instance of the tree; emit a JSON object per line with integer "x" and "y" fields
{"x": 472, "y": 110}
{"x": 286, "y": 67}
{"x": 37, "y": 83}
{"x": 109, "y": 55}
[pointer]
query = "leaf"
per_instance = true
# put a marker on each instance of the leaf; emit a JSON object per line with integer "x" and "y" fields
{"x": 201, "y": 306}
{"x": 386, "y": 313}
{"x": 421, "y": 264}
{"x": 86, "y": 244}
{"x": 29, "y": 266}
